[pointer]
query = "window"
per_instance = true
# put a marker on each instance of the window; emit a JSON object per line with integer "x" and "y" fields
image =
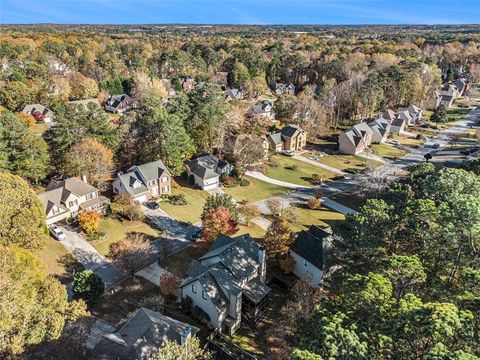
{"x": 165, "y": 179}
{"x": 204, "y": 295}
{"x": 194, "y": 289}
{"x": 305, "y": 263}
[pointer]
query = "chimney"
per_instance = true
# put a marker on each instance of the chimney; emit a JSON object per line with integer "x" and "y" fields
{"x": 84, "y": 178}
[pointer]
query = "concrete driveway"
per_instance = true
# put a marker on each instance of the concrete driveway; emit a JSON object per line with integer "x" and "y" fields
{"x": 90, "y": 258}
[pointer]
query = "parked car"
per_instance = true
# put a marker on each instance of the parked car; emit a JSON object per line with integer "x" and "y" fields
{"x": 57, "y": 233}
{"x": 288, "y": 153}
{"x": 465, "y": 152}
{"x": 194, "y": 237}
{"x": 436, "y": 145}
{"x": 153, "y": 205}
{"x": 395, "y": 142}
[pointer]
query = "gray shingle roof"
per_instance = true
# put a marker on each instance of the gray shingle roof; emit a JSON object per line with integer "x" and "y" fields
{"x": 142, "y": 173}
{"x": 33, "y": 108}
{"x": 310, "y": 245}
{"x": 206, "y": 166}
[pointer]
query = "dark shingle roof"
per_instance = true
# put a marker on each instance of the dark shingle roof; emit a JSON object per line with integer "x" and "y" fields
{"x": 310, "y": 245}
{"x": 290, "y": 130}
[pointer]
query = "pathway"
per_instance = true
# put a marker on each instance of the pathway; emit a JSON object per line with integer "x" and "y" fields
{"x": 320, "y": 165}
{"x": 90, "y": 258}
{"x": 260, "y": 176}
{"x": 337, "y": 206}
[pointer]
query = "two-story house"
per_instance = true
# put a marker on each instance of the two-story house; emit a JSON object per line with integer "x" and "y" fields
{"x": 119, "y": 103}
{"x": 144, "y": 182}
{"x": 355, "y": 140}
{"x": 281, "y": 89}
{"x": 205, "y": 171}
{"x": 380, "y": 129}
{"x": 66, "y": 198}
{"x": 264, "y": 108}
{"x": 228, "y": 283}
{"x": 290, "y": 138}
{"x": 39, "y": 112}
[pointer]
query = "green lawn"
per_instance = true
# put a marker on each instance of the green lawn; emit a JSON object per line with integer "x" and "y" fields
{"x": 388, "y": 151}
{"x": 295, "y": 171}
{"x": 253, "y": 229}
{"x": 58, "y": 260}
{"x": 190, "y": 212}
{"x": 407, "y": 141}
{"x": 322, "y": 217}
{"x": 349, "y": 162}
{"x": 117, "y": 231}
{"x": 454, "y": 114}
{"x": 256, "y": 191}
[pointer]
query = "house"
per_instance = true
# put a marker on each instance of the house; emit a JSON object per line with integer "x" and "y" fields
{"x": 66, "y": 198}
{"x": 288, "y": 89}
{"x": 355, "y": 140}
{"x": 388, "y": 115}
{"x": 415, "y": 114}
{"x": 380, "y": 129}
{"x": 39, "y": 112}
{"x": 205, "y": 171}
{"x": 402, "y": 115}
{"x": 119, "y": 103}
{"x": 85, "y": 103}
{"x": 235, "y": 94}
{"x": 290, "y": 138}
{"x": 264, "y": 108}
{"x": 188, "y": 83}
{"x": 444, "y": 98}
{"x": 137, "y": 336}
{"x": 309, "y": 251}
{"x": 228, "y": 283}
{"x": 461, "y": 85}
{"x": 143, "y": 182}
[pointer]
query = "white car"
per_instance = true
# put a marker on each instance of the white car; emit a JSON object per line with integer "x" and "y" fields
{"x": 395, "y": 142}
{"x": 288, "y": 153}
{"x": 57, "y": 233}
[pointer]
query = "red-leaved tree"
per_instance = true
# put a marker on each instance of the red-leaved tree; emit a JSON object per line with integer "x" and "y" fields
{"x": 218, "y": 221}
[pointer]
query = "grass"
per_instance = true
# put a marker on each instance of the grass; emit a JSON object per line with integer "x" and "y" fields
{"x": 190, "y": 212}
{"x": 322, "y": 217}
{"x": 117, "y": 231}
{"x": 39, "y": 128}
{"x": 348, "y": 162}
{"x": 178, "y": 262}
{"x": 256, "y": 191}
{"x": 295, "y": 171}
{"x": 58, "y": 260}
{"x": 253, "y": 229}
{"x": 387, "y": 151}
{"x": 408, "y": 141}
{"x": 455, "y": 114}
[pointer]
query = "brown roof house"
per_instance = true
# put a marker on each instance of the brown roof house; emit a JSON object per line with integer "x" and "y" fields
{"x": 290, "y": 138}
{"x": 355, "y": 140}
{"x": 66, "y": 198}
{"x": 228, "y": 283}
{"x": 142, "y": 182}
{"x": 136, "y": 337}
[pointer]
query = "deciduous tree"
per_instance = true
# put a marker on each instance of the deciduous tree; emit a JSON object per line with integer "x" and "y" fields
{"x": 132, "y": 253}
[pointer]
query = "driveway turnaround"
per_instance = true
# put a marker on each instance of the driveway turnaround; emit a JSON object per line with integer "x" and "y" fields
{"x": 90, "y": 258}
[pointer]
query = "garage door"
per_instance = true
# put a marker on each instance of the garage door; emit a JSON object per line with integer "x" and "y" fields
{"x": 211, "y": 186}
{"x": 141, "y": 199}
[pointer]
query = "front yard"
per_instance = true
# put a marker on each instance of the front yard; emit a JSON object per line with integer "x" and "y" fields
{"x": 256, "y": 191}
{"x": 295, "y": 171}
{"x": 388, "y": 151}
{"x": 349, "y": 162}
{"x": 322, "y": 217}
{"x": 407, "y": 141}
{"x": 190, "y": 212}
{"x": 116, "y": 231}
{"x": 254, "y": 230}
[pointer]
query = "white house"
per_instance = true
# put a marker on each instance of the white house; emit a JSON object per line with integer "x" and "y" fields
{"x": 66, "y": 198}
{"x": 355, "y": 140}
{"x": 205, "y": 171}
{"x": 142, "y": 182}
{"x": 228, "y": 283}
{"x": 264, "y": 108}
{"x": 415, "y": 114}
{"x": 308, "y": 251}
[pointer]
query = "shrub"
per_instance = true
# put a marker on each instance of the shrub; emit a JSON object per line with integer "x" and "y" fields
{"x": 235, "y": 173}
{"x": 89, "y": 221}
{"x": 186, "y": 304}
{"x": 244, "y": 182}
{"x": 178, "y": 199}
{"x": 292, "y": 167}
{"x": 223, "y": 177}
{"x": 273, "y": 163}
{"x": 87, "y": 286}
{"x": 316, "y": 179}
{"x": 314, "y": 203}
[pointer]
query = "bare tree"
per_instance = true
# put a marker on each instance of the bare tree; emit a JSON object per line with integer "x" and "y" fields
{"x": 132, "y": 253}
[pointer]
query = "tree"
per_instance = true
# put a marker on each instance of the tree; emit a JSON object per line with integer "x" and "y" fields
{"x": 314, "y": 203}
{"x": 275, "y": 206}
{"x": 217, "y": 221}
{"x": 439, "y": 114}
{"x": 127, "y": 207}
{"x": 405, "y": 272}
{"x": 169, "y": 284}
{"x": 89, "y": 221}
{"x": 81, "y": 87}
{"x": 248, "y": 151}
{"x": 34, "y": 307}
{"x": 171, "y": 350}
{"x": 249, "y": 212}
{"x": 216, "y": 201}
{"x": 88, "y": 286}
{"x": 132, "y": 253}
{"x": 92, "y": 159}
{"x": 284, "y": 108}
{"x": 15, "y": 95}
{"x": 239, "y": 75}
{"x": 278, "y": 238}
{"x": 22, "y": 215}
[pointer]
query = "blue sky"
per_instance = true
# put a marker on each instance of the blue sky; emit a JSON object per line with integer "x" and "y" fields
{"x": 240, "y": 11}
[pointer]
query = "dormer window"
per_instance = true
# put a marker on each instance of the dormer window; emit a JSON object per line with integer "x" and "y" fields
{"x": 136, "y": 184}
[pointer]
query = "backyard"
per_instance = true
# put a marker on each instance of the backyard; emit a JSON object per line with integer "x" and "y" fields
{"x": 116, "y": 231}
{"x": 187, "y": 213}
{"x": 322, "y": 217}
{"x": 295, "y": 171}
{"x": 256, "y": 191}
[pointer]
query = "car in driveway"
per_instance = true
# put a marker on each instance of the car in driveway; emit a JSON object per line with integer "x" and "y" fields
{"x": 57, "y": 233}
{"x": 436, "y": 145}
{"x": 288, "y": 153}
{"x": 152, "y": 205}
{"x": 395, "y": 142}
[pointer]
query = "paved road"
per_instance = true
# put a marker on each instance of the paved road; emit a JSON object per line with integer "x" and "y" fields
{"x": 90, "y": 258}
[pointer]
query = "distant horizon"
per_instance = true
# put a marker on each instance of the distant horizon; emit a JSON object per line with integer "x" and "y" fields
{"x": 240, "y": 12}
